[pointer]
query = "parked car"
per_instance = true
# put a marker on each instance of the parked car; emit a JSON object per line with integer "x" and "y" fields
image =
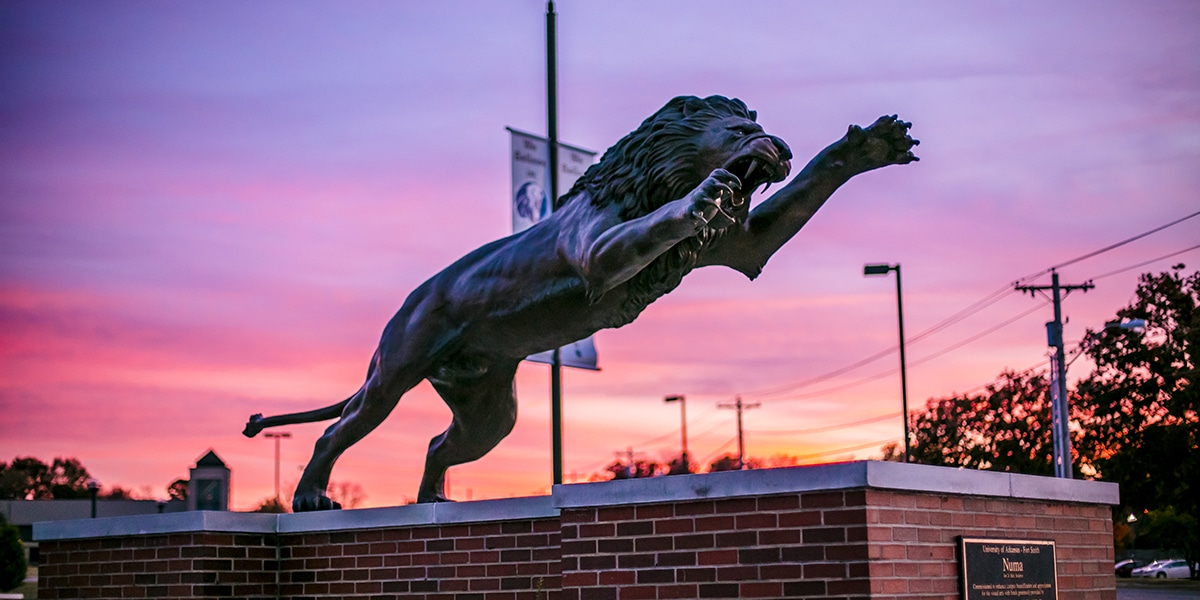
{"x": 1125, "y": 568}
{"x": 1164, "y": 569}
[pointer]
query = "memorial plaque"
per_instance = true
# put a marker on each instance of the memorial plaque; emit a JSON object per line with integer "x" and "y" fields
{"x": 1000, "y": 569}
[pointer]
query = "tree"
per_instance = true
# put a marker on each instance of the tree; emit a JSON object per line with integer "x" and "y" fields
{"x": 729, "y": 462}
{"x": 68, "y": 479}
{"x": 1135, "y": 417}
{"x": 346, "y": 493}
{"x": 12, "y": 557}
{"x": 638, "y": 469}
{"x": 178, "y": 490}
{"x": 1140, "y": 407}
{"x": 678, "y": 467}
{"x": 1004, "y": 428}
{"x": 271, "y": 505}
{"x": 28, "y": 478}
{"x": 117, "y": 492}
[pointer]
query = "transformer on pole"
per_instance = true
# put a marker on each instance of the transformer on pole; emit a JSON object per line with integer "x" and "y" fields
{"x": 1059, "y": 406}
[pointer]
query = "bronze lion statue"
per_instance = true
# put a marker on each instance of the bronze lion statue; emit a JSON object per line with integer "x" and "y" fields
{"x": 672, "y": 196}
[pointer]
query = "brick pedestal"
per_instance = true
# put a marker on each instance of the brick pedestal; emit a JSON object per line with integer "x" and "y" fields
{"x": 853, "y": 530}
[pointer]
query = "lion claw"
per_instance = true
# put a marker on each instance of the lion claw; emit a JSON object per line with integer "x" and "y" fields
{"x": 713, "y": 197}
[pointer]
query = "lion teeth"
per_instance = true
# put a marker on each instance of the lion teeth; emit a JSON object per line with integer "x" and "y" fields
{"x": 750, "y": 169}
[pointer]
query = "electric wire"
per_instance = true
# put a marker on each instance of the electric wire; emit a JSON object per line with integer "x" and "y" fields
{"x": 823, "y": 429}
{"x": 1108, "y": 247}
{"x": 845, "y": 449}
{"x": 719, "y": 450}
{"x": 972, "y": 309}
{"x": 1144, "y": 263}
{"x": 975, "y": 337}
{"x": 953, "y": 319}
{"x": 916, "y": 362}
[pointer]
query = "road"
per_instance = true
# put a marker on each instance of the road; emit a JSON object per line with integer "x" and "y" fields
{"x": 1142, "y": 593}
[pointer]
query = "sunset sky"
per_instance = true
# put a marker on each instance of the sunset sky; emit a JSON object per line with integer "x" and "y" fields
{"x": 209, "y": 210}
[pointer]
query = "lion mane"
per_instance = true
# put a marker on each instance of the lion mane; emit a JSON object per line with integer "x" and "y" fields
{"x": 648, "y": 168}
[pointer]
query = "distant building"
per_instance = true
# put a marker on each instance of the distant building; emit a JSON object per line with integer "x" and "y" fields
{"x": 22, "y": 514}
{"x": 208, "y": 489}
{"x": 208, "y": 484}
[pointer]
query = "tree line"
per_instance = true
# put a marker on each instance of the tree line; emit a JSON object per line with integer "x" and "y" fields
{"x": 1133, "y": 419}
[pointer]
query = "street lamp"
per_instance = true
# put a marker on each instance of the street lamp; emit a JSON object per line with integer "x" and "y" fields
{"x": 93, "y": 487}
{"x": 682, "y": 426}
{"x": 1132, "y": 520}
{"x": 884, "y": 269}
{"x": 277, "y": 437}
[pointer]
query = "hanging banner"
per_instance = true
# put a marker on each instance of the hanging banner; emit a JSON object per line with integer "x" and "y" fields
{"x": 531, "y": 176}
{"x": 531, "y": 203}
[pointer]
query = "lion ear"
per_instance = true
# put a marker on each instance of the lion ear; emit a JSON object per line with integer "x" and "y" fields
{"x": 754, "y": 115}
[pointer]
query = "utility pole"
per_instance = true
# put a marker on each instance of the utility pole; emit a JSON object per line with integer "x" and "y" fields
{"x": 740, "y": 406}
{"x": 682, "y": 400}
{"x": 1059, "y": 406}
{"x": 628, "y": 455}
{"x": 277, "y": 437}
{"x": 552, "y": 137}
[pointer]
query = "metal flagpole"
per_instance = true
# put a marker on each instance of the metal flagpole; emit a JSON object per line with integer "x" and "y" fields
{"x": 552, "y": 137}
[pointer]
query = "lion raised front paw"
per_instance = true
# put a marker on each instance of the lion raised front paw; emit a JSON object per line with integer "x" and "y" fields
{"x": 885, "y": 142}
{"x": 715, "y": 197}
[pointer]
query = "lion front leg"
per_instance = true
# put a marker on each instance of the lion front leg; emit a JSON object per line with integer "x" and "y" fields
{"x": 621, "y": 249}
{"x": 770, "y": 225}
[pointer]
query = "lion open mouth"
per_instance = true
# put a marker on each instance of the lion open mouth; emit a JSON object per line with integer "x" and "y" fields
{"x": 760, "y": 164}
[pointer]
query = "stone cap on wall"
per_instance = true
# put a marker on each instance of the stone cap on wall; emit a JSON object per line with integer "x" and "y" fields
{"x": 839, "y": 476}
{"x": 679, "y": 488}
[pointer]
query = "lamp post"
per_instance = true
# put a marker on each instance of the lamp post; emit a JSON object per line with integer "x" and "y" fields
{"x": 1132, "y": 520}
{"x": 682, "y": 427}
{"x": 277, "y": 437}
{"x": 93, "y": 487}
{"x": 884, "y": 269}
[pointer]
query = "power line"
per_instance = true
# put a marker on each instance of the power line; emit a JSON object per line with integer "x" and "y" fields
{"x": 975, "y": 337}
{"x": 1108, "y": 248}
{"x": 1144, "y": 263}
{"x": 847, "y": 425}
{"x": 719, "y": 449}
{"x": 841, "y": 450}
{"x": 972, "y": 309}
{"x": 919, "y": 361}
{"x": 701, "y": 419}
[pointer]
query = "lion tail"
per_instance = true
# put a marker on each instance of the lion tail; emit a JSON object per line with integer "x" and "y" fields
{"x": 257, "y": 423}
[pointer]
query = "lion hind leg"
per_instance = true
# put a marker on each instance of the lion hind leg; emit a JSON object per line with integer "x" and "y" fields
{"x": 485, "y": 411}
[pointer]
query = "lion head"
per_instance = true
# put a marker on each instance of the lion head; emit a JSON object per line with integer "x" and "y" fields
{"x": 673, "y": 150}
{"x": 664, "y": 159}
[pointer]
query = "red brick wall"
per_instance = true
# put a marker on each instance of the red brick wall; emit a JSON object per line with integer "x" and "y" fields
{"x": 617, "y": 541}
{"x": 180, "y": 565}
{"x": 912, "y": 541}
{"x": 852, "y": 544}
{"x": 797, "y": 545}
{"x": 489, "y": 561}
